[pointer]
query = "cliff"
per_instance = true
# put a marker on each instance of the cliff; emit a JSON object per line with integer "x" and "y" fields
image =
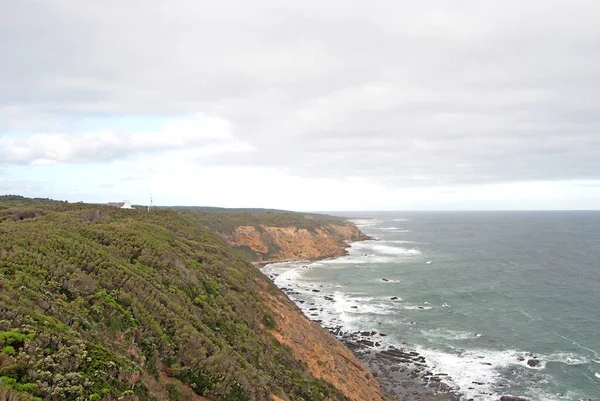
{"x": 280, "y": 236}
{"x": 99, "y": 303}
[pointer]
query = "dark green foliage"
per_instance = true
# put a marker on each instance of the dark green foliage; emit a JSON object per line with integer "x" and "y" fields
{"x": 268, "y": 321}
{"x": 225, "y": 223}
{"x": 200, "y": 382}
{"x": 100, "y": 303}
{"x": 237, "y": 393}
{"x": 174, "y": 392}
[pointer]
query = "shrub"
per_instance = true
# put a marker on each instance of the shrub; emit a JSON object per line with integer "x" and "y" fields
{"x": 94, "y": 215}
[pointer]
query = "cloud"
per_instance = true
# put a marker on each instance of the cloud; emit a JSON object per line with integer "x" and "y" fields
{"x": 405, "y": 94}
{"x": 201, "y": 135}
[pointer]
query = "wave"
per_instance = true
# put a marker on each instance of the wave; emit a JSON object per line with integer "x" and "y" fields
{"x": 480, "y": 373}
{"x": 416, "y": 307}
{"x": 568, "y": 358}
{"x": 395, "y": 229}
{"x": 390, "y": 250}
{"x": 365, "y": 222}
{"x": 378, "y": 247}
{"x": 451, "y": 334}
{"x": 362, "y": 259}
{"x": 400, "y": 220}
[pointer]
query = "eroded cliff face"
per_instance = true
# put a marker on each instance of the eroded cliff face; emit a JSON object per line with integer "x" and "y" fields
{"x": 273, "y": 244}
{"x": 326, "y": 357}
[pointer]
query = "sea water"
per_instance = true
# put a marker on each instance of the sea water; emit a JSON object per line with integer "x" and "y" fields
{"x": 479, "y": 294}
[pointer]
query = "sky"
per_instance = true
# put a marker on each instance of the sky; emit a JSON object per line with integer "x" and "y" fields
{"x": 303, "y": 105}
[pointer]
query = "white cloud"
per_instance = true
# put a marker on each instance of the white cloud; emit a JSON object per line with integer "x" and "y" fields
{"x": 200, "y": 135}
{"x": 404, "y": 95}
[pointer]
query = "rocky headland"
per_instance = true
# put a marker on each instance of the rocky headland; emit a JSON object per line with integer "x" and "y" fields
{"x": 277, "y": 244}
{"x": 403, "y": 374}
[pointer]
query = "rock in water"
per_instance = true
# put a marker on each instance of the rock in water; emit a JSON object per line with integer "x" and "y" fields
{"x": 534, "y": 363}
{"x": 511, "y": 398}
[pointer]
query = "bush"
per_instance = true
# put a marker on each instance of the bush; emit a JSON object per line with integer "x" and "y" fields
{"x": 94, "y": 215}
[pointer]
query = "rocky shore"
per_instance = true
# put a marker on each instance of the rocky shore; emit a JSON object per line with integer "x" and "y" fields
{"x": 403, "y": 373}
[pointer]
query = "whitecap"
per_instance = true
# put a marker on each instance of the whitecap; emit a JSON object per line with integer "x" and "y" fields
{"x": 416, "y": 307}
{"x": 396, "y": 229}
{"x": 597, "y": 375}
{"x": 365, "y": 222}
{"x": 390, "y": 250}
{"x": 567, "y": 358}
{"x": 358, "y": 260}
{"x": 474, "y": 366}
{"x": 452, "y": 335}
{"x": 400, "y": 220}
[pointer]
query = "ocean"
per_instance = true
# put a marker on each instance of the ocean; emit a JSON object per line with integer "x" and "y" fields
{"x": 481, "y": 295}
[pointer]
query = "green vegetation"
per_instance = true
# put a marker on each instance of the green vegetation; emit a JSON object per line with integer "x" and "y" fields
{"x": 225, "y": 223}
{"x": 99, "y": 303}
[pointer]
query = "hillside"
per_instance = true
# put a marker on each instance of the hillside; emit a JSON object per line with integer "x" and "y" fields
{"x": 271, "y": 236}
{"x": 98, "y": 303}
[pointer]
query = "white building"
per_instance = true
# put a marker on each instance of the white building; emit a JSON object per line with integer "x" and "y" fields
{"x": 126, "y": 204}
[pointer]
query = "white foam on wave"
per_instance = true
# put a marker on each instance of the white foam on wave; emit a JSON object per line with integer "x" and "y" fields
{"x": 365, "y": 222}
{"x": 366, "y": 248}
{"x": 567, "y": 358}
{"x": 348, "y": 311}
{"x": 467, "y": 368}
{"x": 474, "y": 366}
{"x": 390, "y": 250}
{"x": 597, "y": 375}
{"x": 395, "y": 229}
{"x": 358, "y": 260}
{"x": 416, "y": 307}
{"x": 344, "y": 303}
{"x": 292, "y": 274}
{"x": 451, "y": 334}
{"x": 400, "y": 220}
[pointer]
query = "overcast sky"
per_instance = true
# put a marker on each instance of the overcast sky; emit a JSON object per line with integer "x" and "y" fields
{"x": 304, "y": 105}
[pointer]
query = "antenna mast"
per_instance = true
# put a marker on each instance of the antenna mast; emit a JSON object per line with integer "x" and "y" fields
{"x": 150, "y": 204}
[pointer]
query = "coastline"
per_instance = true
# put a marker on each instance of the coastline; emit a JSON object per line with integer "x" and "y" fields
{"x": 343, "y": 252}
{"x": 402, "y": 372}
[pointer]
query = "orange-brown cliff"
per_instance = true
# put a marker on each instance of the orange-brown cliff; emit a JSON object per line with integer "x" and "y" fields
{"x": 326, "y": 357}
{"x": 264, "y": 243}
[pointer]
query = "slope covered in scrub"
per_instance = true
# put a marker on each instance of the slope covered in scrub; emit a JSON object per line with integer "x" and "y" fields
{"x": 101, "y": 303}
